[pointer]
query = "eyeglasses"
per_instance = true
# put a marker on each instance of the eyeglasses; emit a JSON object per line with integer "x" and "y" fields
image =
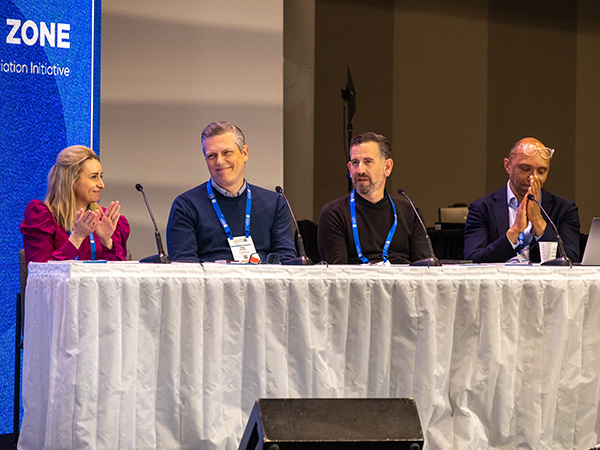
{"x": 545, "y": 152}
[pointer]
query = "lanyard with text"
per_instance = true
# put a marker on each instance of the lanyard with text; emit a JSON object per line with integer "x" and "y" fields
{"x": 213, "y": 200}
{"x": 390, "y": 235}
{"x": 93, "y": 246}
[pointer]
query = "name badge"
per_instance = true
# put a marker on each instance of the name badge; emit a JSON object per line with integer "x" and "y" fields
{"x": 242, "y": 248}
{"x": 524, "y": 255}
{"x": 385, "y": 263}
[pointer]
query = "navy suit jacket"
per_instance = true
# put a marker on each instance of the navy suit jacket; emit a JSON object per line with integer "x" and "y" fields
{"x": 488, "y": 222}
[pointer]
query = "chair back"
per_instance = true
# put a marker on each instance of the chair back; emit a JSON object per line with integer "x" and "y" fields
{"x": 23, "y": 278}
{"x": 308, "y": 231}
{"x": 22, "y": 271}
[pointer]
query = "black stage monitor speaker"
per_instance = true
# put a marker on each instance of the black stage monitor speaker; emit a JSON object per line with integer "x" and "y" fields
{"x": 332, "y": 424}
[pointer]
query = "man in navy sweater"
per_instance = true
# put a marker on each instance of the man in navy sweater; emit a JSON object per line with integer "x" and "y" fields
{"x": 226, "y": 218}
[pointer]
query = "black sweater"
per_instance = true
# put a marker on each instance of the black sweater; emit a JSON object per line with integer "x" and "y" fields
{"x": 374, "y": 220}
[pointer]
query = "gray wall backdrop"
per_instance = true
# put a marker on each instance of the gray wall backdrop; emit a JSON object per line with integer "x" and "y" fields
{"x": 451, "y": 83}
{"x": 170, "y": 68}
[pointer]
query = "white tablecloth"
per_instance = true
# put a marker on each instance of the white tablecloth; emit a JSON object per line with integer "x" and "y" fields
{"x": 134, "y": 356}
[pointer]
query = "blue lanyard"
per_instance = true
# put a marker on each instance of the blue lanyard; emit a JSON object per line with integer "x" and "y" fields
{"x": 213, "y": 200}
{"x": 390, "y": 235}
{"x": 92, "y": 246}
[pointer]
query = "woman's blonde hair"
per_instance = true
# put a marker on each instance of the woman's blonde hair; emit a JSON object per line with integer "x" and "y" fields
{"x": 60, "y": 196}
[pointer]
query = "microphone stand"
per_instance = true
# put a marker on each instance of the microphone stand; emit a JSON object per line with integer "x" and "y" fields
{"x": 161, "y": 257}
{"x": 301, "y": 260}
{"x": 564, "y": 259}
{"x": 432, "y": 260}
{"x": 349, "y": 97}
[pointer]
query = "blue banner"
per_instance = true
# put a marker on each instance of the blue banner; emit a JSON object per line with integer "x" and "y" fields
{"x": 49, "y": 99}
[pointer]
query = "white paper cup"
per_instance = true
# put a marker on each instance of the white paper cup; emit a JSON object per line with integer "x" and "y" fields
{"x": 547, "y": 250}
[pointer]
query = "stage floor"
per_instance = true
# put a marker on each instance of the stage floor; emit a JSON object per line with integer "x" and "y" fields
{"x": 6, "y": 442}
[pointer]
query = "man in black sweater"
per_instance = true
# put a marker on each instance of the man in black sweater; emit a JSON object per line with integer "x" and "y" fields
{"x": 368, "y": 225}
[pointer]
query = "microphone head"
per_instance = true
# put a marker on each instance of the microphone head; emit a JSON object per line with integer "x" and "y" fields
{"x": 401, "y": 191}
{"x": 278, "y": 190}
{"x": 139, "y": 187}
{"x": 272, "y": 258}
{"x": 531, "y": 197}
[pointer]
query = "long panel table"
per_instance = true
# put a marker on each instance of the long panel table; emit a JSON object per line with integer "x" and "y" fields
{"x": 134, "y": 356}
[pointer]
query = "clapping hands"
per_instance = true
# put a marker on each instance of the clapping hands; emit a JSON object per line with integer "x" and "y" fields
{"x": 102, "y": 223}
{"x": 108, "y": 223}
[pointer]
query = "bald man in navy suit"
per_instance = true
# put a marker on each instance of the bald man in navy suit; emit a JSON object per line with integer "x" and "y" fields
{"x": 506, "y": 226}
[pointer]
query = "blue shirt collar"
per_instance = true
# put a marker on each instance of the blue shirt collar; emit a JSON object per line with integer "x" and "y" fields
{"x": 510, "y": 195}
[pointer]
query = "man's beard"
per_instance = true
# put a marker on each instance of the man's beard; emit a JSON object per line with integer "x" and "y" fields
{"x": 365, "y": 189}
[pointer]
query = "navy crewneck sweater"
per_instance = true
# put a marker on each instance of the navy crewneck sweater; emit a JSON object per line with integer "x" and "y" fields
{"x": 194, "y": 232}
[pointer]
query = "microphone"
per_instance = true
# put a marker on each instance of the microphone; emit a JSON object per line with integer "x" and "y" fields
{"x": 301, "y": 260}
{"x": 272, "y": 258}
{"x": 432, "y": 260}
{"x": 161, "y": 257}
{"x": 564, "y": 259}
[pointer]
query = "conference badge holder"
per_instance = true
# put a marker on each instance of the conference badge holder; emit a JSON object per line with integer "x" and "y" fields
{"x": 523, "y": 256}
{"x": 242, "y": 248}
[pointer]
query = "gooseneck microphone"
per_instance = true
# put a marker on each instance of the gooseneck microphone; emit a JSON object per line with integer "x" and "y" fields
{"x": 564, "y": 259}
{"x": 432, "y": 260}
{"x": 161, "y": 257}
{"x": 301, "y": 260}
